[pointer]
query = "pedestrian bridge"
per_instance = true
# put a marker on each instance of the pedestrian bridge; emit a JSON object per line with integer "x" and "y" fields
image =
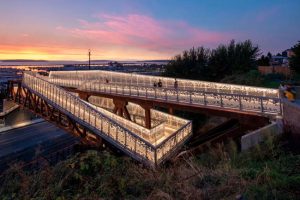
{"x": 229, "y": 97}
{"x": 145, "y": 134}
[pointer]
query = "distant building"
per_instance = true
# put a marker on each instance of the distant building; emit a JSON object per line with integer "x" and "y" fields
{"x": 279, "y": 61}
{"x": 283, "y": 59}
{"x": 279, "y": 64}
{"x": 288, "y": 53}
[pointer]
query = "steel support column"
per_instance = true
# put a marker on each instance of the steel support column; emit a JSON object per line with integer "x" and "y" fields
{"x": 147, "y": 109}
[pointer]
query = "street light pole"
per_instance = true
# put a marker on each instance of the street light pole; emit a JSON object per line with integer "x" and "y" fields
{"x": 89, "y": 59}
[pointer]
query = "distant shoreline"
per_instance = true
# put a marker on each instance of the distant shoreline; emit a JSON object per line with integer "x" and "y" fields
{"x": 21, "y": 62}
{"x": 26, "y": 60}
{"x": 17, "y": 60}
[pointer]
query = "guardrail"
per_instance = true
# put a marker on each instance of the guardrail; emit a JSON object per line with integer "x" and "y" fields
{"x": 78, "y": 77}
{"x": 266, "y": 105}
{"x": 110, "y": 130}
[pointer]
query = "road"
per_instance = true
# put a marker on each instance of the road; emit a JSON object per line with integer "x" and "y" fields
{"x": 22, "y": 144}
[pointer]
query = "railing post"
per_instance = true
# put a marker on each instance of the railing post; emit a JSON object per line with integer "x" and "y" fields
{"x": 52, "y": 87}
{"x": 74, "y": 110}
{"x": 190, "y": 97}
{"x": 125, "y": 139}
{"x": 117, "y": 134}
{"x": 240, "y": 102}
{"x": 155, "y": 157}
{"x": 261, "y": 104}
{"x": 101, "y": 124}
{"x": 108, "y": 129}
{"x": 166, "y": 97}
{"x": 135, "y": 144}
{"x": 204, "y": 97}
{"x": 90, "y": 116}
{"x": 221, "y": 100}
{"x": 280, "y": 105}
{"x": 146, "y": 93}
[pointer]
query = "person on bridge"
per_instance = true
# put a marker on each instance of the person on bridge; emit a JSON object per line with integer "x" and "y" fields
{"x": 159, "y": 84}
{"x": 175, "y": 84}
{"x": 154, "y": 84}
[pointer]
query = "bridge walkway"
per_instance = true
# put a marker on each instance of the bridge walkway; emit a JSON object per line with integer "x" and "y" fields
{"x": 112, "y": 128}
{"x": 216, "y": 96}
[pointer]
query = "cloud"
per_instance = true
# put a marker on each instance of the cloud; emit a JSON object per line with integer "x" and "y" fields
{"x": 24, "y": 35}
{"x": 266, "y": 14}
{"x": 147, "y": 33}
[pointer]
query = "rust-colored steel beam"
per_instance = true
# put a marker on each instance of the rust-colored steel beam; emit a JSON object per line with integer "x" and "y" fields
{"x": 40, "y": 107}
{"x": 84, "y": 96}
{"x": 171, "y": 111}
{"x": 147, "y": 108}
{"x": 121, "y": 108}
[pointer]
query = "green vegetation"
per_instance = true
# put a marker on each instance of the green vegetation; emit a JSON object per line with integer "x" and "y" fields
{"x": 214, "y": 65}
{"x": 233, "y": 63}
{"x": 266, "y": 172}
{"x": 263, "y": 61}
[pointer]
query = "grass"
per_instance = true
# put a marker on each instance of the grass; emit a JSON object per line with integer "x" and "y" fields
{"x": 265, "y": 172}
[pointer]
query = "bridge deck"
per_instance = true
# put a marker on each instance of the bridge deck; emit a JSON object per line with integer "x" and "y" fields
{"x": 264, "y": 101}
{"x": 126, "y": 136}
{"x": 243, "y": 104}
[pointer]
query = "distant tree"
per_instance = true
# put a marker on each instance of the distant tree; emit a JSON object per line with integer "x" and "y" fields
{"x": 214, "y": 65}
{"x": 295, "y": 59}
{"x": 284, "y": 54}
{"x": 278, "y": 54}
{"x": 234, "y": 58}
{"x": 263, "y": 61}
{"x": 269, "y": 55}
{"x": 190, "y": 64}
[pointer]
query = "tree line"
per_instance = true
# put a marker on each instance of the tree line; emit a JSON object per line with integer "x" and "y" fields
{"x": 236, "y": 60}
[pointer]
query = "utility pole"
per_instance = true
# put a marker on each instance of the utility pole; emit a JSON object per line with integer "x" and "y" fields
{"x": 89, "y": 59}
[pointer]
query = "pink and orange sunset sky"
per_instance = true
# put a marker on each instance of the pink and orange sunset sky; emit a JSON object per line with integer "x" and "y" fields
{"x": 141, "y": 29}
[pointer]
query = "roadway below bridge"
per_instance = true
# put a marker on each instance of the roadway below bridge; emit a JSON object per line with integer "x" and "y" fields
{"x": 23, "y": 144}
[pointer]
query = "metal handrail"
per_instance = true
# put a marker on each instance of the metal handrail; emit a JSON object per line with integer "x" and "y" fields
{"x": 137, "y": 79}
{"x": 88, "y": 106}
{"x": 113, "y": 88}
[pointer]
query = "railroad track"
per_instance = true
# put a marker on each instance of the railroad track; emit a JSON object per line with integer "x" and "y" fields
{"x": 219, "y": 133}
